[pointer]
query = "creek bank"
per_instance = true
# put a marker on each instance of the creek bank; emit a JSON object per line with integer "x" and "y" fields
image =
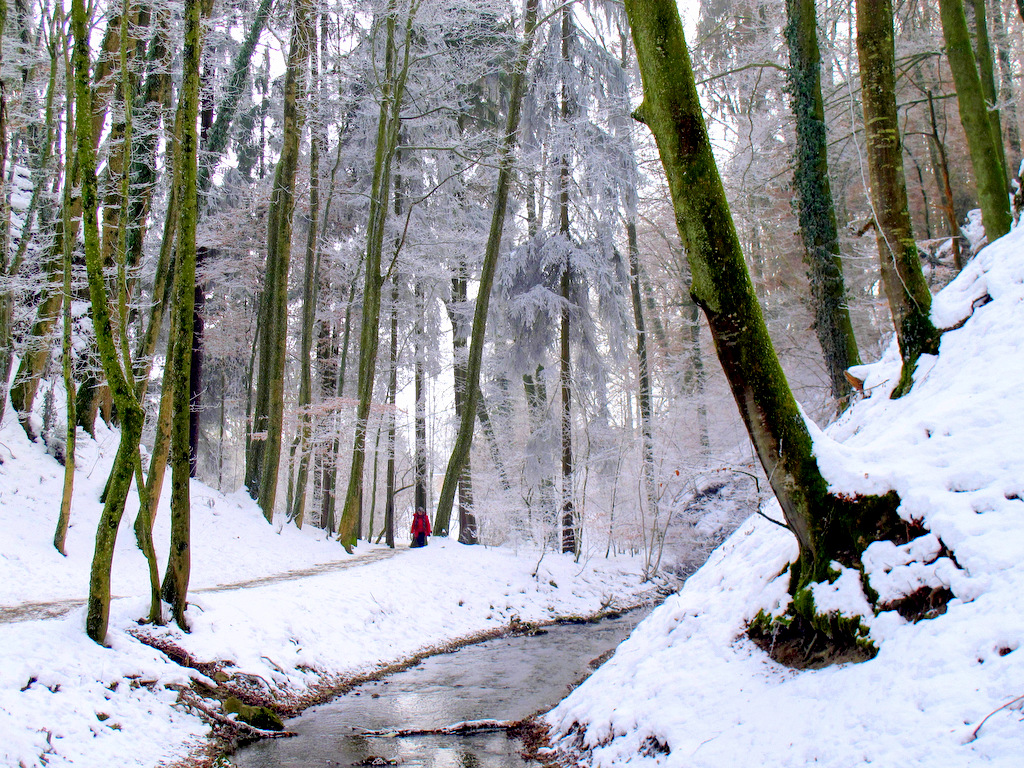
{"x": 227, "y": 735}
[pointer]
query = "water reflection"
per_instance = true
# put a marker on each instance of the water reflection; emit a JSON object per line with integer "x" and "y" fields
{"x": 502, "y": 679}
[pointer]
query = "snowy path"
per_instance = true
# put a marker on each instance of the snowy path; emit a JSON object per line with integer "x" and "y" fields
{"x": 10, "y": 614}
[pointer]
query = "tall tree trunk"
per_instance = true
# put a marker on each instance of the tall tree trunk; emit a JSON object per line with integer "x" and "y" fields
{"x": 825, "y": 526}
{"x": 570, "y": 523}
{"x": 938, "y": 157}
{"x": 132, "y": 415}
{"x": 643, "y": 381}
{"x": 814, "y": 199}
{"x": 309, "y": 301}
{"x": 389, "y": 503}
{"x": 909, "y": 298}
{"x": 388, "y": 129}
{"x": 1006, "y": 86}
{"x": 974, "y": 115}
{"x": 977, "y": 19}
{"x": 460, "y": 340}
{"x": 420, "y": 409}
{"x": 264, "y": 458}
{"x": 64, "y": 519}
{"x": 196, "y": 356}
{"x": 464, "y": 437}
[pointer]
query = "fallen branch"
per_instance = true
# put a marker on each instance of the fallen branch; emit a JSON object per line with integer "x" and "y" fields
{"x": 469, "y": 726}
{"x": 191, "y": 700}
{"x": 1017, "y": 703}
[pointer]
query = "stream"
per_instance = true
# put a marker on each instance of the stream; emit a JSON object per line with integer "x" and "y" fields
{"x": 507, "y": 678}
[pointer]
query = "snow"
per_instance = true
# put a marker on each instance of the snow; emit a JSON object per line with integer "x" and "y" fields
{"x": 688, "y": 688}
{"x": 65, "y": 700}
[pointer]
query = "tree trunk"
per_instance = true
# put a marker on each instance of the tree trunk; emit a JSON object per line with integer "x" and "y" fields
{"x": 1006, "y": 86}
{"x": 814, "y": 199}
{"x": 264, "y": 458}
{"x": 975, "y": 12}
{"x": 195, "y": 379}
{"x": 63, "y": 521}
{"x": 311, "y": 281}
{"x": 826, "y": 527}
{"x": 974, "y": 115}
{"x": 941, "y": 166}
{"x": 464, "y": 437}
{"x": 909, "y": 298}
{"x": 132, "y": 415}
{"x": 650, "y": 492}
{"x": 176, "y": 578}
{"x": 389, "y": 504}
{"x": 388, "y": 128}
{"x": 420, "y": 415}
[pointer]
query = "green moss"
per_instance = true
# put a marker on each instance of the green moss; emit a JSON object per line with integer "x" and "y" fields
{"x": 263, "y": 718}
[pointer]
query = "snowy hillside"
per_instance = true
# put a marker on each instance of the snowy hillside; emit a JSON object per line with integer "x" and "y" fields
{"x": 690, "y": 689}
{"x": 66, "y": 701}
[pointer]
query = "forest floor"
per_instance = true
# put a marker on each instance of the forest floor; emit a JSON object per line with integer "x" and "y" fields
{"x": 284, "y": 610}
{"x": 54, "y": 608}
{"x": 946, "y": 688}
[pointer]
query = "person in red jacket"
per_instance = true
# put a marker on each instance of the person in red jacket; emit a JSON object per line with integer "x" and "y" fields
{"x": 420, "y": 528}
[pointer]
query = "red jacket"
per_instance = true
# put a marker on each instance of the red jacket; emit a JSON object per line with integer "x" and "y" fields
{"x": 420, "y": 523}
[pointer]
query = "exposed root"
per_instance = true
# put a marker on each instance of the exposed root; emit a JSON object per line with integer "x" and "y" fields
{"x": 923, "y": 603}
{"x": 796, "y": 643}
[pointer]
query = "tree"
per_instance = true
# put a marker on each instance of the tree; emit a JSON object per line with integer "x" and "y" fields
{"x": 175, "y": 585}
{"x": 814, "y": 198}
{"x": 905, "y": 286}
{"x": 980, "y": 125}
{"x": 464, "y": 437}
{"x": 132, "y": 416}
{"x": 263, "y": 460}
{"x": 389, "y": 126}
{"x": 827, "y": 527}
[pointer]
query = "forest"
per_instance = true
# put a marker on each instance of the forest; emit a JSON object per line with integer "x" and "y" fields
{"x": 514, "y": 263}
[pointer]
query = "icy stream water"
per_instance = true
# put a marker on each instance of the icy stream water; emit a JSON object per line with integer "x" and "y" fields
{"x": 507, "y": 678}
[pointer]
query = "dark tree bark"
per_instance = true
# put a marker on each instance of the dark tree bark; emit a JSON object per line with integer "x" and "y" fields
{"x": 814, "y": 199}
{"x": 570, "y": 522}
{"x": 939, "y": 163}
{"x": 420, "y": 416}
{"x": 176, "y": 578}
{"x": 909, "y": 298}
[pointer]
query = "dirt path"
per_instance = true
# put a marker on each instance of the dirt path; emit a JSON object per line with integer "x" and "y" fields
{"x": 11, "y": 614}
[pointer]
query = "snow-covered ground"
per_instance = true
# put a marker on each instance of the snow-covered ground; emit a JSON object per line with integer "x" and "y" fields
{"x": 689, "y": 689}
{"x": 66, "y": 701}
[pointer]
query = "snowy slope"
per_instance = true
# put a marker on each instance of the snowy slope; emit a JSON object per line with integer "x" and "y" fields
{"x": 689, "y": 689}
{"x": 66, "y": 701}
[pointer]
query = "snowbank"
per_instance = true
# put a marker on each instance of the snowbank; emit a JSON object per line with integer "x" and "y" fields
{"x": 689, "y": 689}
{"x": 65, "y": 700}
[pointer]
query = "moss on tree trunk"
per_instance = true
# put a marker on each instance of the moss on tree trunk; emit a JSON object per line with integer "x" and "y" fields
{"x": 909, "y": 298}
{"x": 975, "y": 117}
